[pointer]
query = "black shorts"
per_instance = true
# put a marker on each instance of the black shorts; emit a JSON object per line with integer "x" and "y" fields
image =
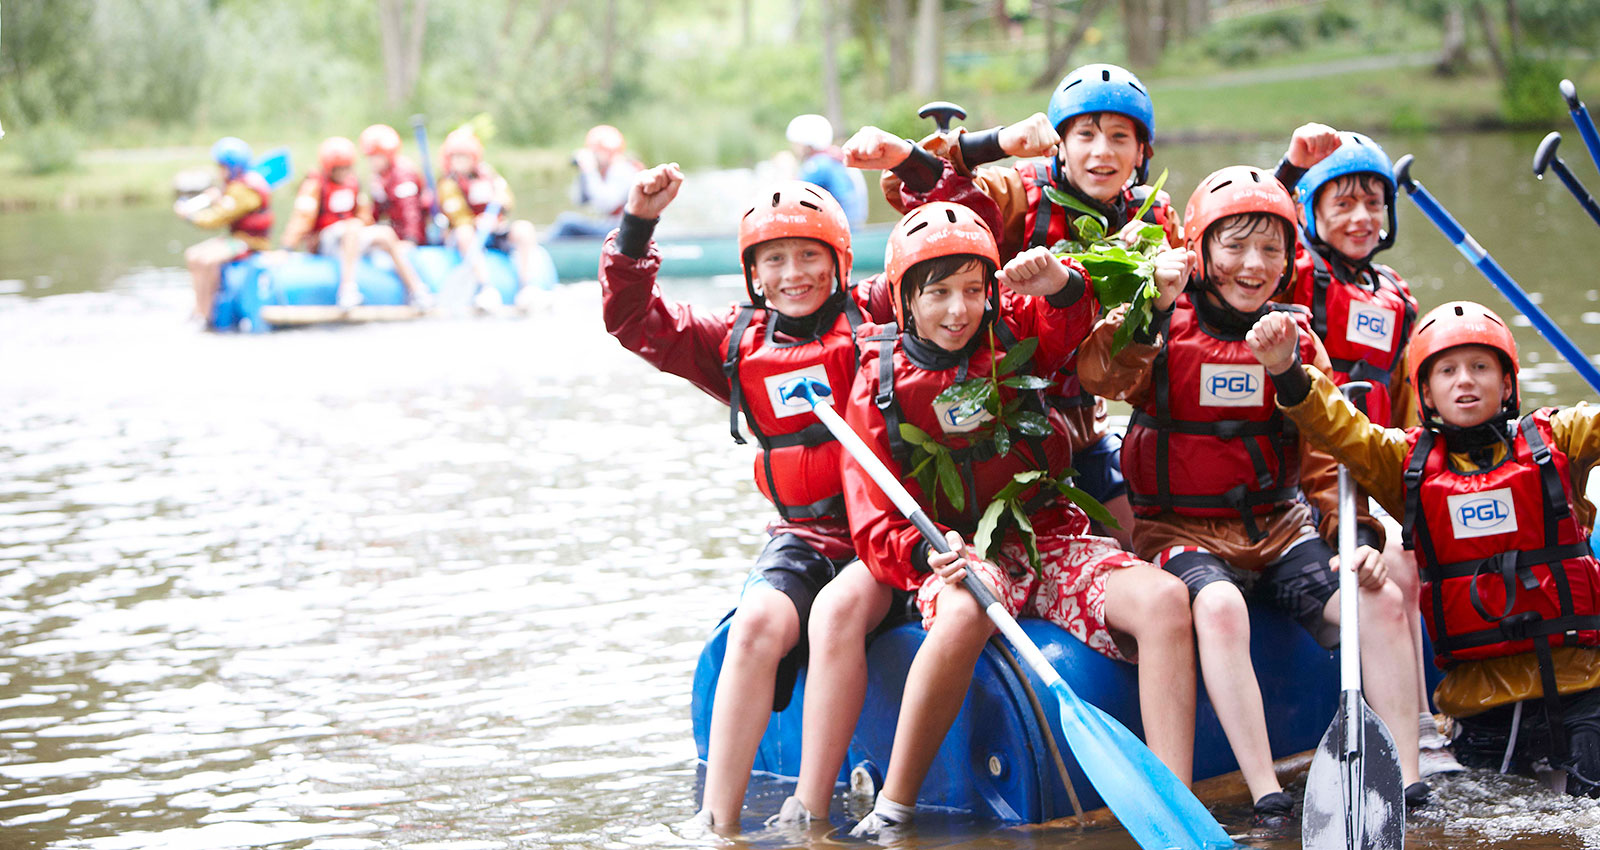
{"x": 789, "y": 565}
{"x": 1099, "y": 467}
{"x": 1481, "y": 739}
{"x": 1300, "y": 583}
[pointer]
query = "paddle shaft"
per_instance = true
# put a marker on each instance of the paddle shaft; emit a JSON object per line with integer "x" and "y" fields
{"x": 907, "y": 504}
{"x": 420, "y": 127}
{"x": 1580, "y": 117}
{"x": 1576, "y": 188}
{"x": 1502, "y": 281}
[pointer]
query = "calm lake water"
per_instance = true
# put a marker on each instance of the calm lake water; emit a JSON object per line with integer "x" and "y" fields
{"x": 442, "y": 584}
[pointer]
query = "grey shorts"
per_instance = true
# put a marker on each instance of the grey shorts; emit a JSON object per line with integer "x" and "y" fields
{"x": 1300, "y": 583}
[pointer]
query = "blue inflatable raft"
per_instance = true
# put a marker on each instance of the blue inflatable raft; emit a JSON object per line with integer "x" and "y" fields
{"x": 995, "y": 762}
{"x": 278, "y": 289}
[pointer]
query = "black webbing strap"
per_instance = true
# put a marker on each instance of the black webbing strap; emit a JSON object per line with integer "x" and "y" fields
{"x": 730, "y": 368}
{"x": 884, "y": 399}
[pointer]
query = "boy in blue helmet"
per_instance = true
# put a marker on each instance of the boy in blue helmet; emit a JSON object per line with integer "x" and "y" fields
{"x": 1099, "y": 132}
{"x": 243, "y": 206}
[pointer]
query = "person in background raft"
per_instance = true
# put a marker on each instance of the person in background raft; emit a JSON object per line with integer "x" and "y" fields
{"x": 1216, "y": 476}
{"x": 243, "y": 206}
{"x": 605, "y": 173}
{"x": 1098, "y": 131}
{"x": 333, "y": 218}
{"x": 794, "y": 246}
{"x": 466, "y": 191}
{"x": 1364, "y": 313}
{"x": 400, "y": 197}
{"x": 811, "y": 139}
{"x": 960, "y": 317}
{"x": 1494, "y": 508}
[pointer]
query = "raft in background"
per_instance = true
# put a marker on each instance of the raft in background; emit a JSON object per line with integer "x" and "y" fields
{"x": 281, "y": 288}
{"x": 995, "y": 763}
{"x": 702, "y": 255}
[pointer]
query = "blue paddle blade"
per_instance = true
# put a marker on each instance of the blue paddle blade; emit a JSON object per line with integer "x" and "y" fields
{"x": 273, "y": 166}
{"x": 1158, "y": 810}
{"x": 1355, "y": 796}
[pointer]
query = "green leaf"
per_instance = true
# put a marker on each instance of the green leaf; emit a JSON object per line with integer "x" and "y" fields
{"x": 1065, "y": 475}
{"x": 986, "y": 537}
{"x": 1026, "y": 382}
{"x": 1016, "y": 356}
{"x": 1091, "y": 228}
{"x": 1025, "y": 531}
{"x": 1033, "y": 424}
{"x": 1151, "y": 200}
{"x": 1090, "y": 506}
{"x": 1002, "y": 442}
{"x": 1152, "y": 236}
{"x": 967, "y": 394}
{"x": 1061, "y": 198}
{"x": 950, "y": 482}
{"x": 917, "y": 471}
{"x": 1020, "y": 482}
{"x": 916, "y": 436}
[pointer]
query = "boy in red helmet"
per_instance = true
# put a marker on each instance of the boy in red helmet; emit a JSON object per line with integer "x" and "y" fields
{"x": 332, "y": 217}
{"x": 1216, "y": 475}
{"x": 794, "y": 243}
{"x": 400, "y": 197}
{"x": 1494, "y": 510}
{"x": 467, "y": 190}
{"x": 960, "y": 317}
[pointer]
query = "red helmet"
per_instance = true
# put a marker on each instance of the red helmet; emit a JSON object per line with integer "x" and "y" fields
{"x": 336, "y": 152}
{"x": 1235, "y": 190}
{"x": 380, "y": 138}
{"x": 604, "y": 137}
{"x": 1460, "y": 323}
{"x": 789, "y": 210}
{"x": 461, "y": 140}
{"x": 931, "y": 231}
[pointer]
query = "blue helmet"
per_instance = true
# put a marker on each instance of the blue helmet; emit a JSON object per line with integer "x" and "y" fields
{"x": 1357, "y": 154}
{"x": 231, "y": 153}
{"x": 1105, "y": 88}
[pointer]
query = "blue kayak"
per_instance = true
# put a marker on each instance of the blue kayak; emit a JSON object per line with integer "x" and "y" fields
{"x": 277, "y": 288}
{"x": 995, "y": 763}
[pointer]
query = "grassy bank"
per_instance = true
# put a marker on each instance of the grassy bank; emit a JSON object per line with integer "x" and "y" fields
{"x": 1376, "y": 94}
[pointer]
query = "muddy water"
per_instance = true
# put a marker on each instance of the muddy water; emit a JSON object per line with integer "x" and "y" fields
{"x": 442, "y": 584}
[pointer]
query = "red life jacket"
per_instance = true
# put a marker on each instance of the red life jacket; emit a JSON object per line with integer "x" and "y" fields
{"x": 1364, "y": 326}
{"x": 399, "y": 197}
{"x": 907, "y": 393}
{"x": 1046, "y": 223}
{"x": 258, "y": 222}
{"x": 478, "y": 188}
{"x": 335, "y": 201}
{"x": 797, "y": 468}
{"x": 1210, "y": 441}
{"x": 1504, "y": 560}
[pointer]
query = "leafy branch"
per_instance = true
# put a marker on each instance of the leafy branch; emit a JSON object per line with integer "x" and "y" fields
{"x": 1122, "y": 273}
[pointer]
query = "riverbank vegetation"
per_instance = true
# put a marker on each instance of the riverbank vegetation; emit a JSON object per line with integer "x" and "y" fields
{"x": 102, "y": 102}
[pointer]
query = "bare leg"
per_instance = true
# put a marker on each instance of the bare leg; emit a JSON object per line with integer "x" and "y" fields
{"x": 383, "y": 236}
{"x": 523, "y": 240}
{"x": 1222, "y": 631}
{"x": 1402, "y": 568}
{"x": 205, "y": 261}
{"x": 846, "y": 609}
{"x": 349, "y": 252}
{"x": 1388, "y": 678}
{"x": 1152, "y": 606}
{"x": 764, "y": 629}
{"x": 936, "y": 686}
{"x": 472, "y": 253}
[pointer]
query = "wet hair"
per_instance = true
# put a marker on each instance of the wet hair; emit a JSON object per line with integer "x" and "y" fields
{"x": 1139, "y": 131}
{"x": 1363, "y": 181}
{"x": 921, "y": 275}
{"x": 1241, "y": 225}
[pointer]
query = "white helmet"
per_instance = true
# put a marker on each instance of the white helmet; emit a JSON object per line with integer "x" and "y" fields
{"x": 811, "y": 130}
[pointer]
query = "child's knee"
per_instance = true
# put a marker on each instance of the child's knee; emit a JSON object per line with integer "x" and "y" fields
{"x": 1221, "y": 613}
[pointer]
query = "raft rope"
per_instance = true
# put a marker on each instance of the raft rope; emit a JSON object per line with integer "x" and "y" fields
{"x": 1511, "y": 740}
{"x": 1044, "y": 725}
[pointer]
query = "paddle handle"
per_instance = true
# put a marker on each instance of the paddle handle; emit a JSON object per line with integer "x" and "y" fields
{"x": 1580, "y": 117}
{"x": 1496, "y": 275}
{"x": 907, "y": 505}
{"x": 1349, "y": 611}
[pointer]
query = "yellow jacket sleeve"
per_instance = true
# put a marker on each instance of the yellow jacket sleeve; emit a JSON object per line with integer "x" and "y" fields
{"x": 1375, "y": 456}
{"x": 236, "y": 203}
{"x": 453, "y": 203}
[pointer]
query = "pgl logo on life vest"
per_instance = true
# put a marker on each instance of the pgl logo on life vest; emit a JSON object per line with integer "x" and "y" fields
{"x": 341, "y": 200}
{"x": 1232, "y": 384}
{"x": 1372, "y": 326}
{"x": 797, "y": 405}
{"x": 961, "y": 418}
{"x": 1482, "y": 514}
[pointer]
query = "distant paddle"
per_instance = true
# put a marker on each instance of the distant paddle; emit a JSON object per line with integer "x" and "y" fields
{"x": 1581, "y": 119}
{"x": 273, "y": 166}
{"x": 1355, "y": 796}
{"x": 461, "y": 289}
{"x": 1158, "y": 810}
{"x": 942, "y": 112}
{"x": 1547, "y": 158}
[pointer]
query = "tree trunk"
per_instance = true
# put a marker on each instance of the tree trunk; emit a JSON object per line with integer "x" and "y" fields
{"x": 1175, "y": 17}
{"x": 744, "y": 22}
{"x": 1491, "y": 38}
{"x": 1056, "y": 64}
{"x": 926, "y": 79}
{"x": 1513, "y": 29}
{"x": 834, "y": 108}
{"x": 1137, "y": 25}
{"x": 1453, "y": 56}
{"x": 1199, "y": 15}
{"x": 400, "y": 35}
{"x": 609, "y": 40}
{"x": 897, "y": 21}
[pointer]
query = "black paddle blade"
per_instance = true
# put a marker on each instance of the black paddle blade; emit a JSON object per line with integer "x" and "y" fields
{"x": 1355, "y": 798}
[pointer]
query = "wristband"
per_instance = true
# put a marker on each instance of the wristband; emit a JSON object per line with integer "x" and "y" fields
{"x": 633, "y": 235}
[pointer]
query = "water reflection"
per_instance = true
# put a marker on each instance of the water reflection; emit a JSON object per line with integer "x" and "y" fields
{"x": 442, "y": 585}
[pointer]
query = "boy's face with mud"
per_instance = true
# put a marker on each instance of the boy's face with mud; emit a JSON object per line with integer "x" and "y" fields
{"x": 1099, "y": 153}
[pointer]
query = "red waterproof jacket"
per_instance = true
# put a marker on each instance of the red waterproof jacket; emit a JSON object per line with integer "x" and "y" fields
{"x": 400, "y": 197}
